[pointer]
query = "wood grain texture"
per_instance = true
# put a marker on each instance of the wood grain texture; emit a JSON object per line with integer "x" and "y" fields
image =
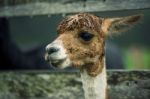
{"x": 67, "y": 85}
{"x": 43, "y": 7}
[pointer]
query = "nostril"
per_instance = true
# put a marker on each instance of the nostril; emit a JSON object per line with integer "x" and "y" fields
{"x": 52, "y": 50}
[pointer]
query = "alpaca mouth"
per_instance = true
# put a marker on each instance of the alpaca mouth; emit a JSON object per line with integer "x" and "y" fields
{"x": 57, "y": 62}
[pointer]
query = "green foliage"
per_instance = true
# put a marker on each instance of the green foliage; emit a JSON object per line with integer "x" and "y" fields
{"x": 137, "y": 59}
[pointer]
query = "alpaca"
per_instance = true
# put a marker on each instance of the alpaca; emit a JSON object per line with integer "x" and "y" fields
{"x": 80, "y": 44}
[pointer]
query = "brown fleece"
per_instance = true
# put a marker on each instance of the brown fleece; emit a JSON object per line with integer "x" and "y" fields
{"x": 81, "y": 53}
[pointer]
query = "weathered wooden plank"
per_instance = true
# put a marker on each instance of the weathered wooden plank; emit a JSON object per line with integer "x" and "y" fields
{"x": 41, "y": 7}
{"x": 63, "y": 85}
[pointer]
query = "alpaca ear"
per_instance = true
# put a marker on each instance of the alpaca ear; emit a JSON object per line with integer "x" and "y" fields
{"x": 121, "y": 24}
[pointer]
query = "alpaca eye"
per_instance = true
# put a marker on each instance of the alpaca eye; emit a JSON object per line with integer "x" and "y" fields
{"x": 86, "y": 36}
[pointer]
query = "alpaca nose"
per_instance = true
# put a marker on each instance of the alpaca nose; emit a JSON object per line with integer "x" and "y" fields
{"x": 52, "y": 50}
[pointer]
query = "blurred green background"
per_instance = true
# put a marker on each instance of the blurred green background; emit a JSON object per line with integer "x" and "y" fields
{"x": 29, "y": 31}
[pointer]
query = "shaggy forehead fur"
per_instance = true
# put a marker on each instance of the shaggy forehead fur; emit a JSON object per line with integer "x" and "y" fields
{"x": 83, "y": 55}
{"x": 79, "y": 21}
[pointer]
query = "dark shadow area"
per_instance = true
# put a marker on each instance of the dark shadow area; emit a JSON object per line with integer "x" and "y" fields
{"x": 12, "y": 57}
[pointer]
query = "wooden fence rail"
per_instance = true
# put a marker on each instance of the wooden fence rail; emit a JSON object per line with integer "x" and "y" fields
{"x": 63, "y": 85}
{"x": 41, "y": 7}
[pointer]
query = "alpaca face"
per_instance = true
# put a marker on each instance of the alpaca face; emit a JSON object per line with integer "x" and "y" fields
{"x": 81, "y": 41}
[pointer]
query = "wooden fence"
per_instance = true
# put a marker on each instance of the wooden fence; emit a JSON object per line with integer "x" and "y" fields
{"x": 45, "y": 7}
{"x": 67, "y": 85}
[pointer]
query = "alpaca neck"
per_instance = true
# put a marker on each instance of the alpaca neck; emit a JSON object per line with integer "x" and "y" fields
{"x": 94, "y": 87}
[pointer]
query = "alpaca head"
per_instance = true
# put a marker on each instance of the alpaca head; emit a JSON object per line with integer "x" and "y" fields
{"x": 81, "y": 40}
